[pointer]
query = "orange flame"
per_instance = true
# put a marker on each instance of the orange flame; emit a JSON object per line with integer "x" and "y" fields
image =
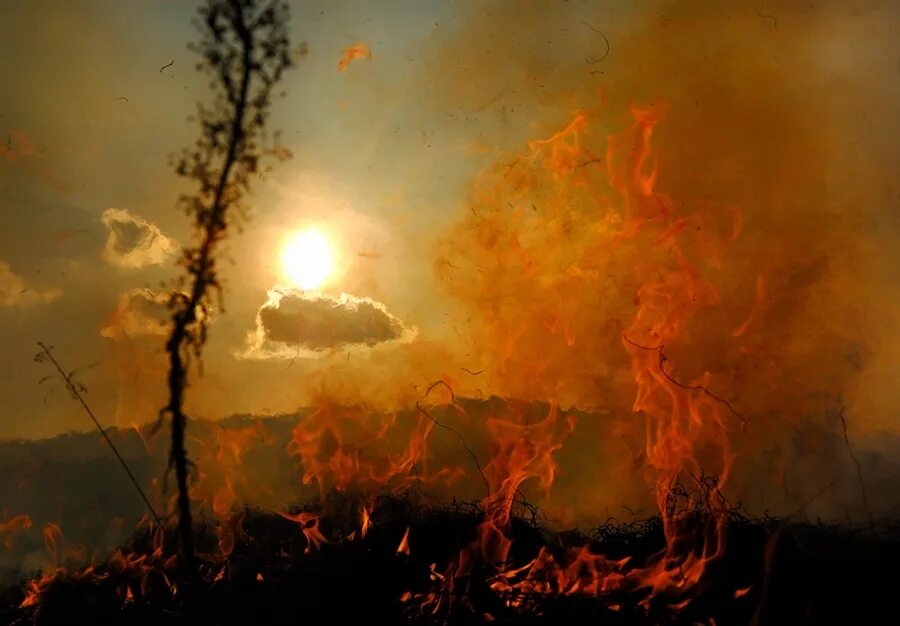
{"x": 548, "y": 199}
{"x": 309, "y": 526}
{"x": 403, "y": 548}
{"x": 357, "y": 51}
{"x": 12, "y": 527}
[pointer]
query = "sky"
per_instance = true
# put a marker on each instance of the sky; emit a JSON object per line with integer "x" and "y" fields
{"x": 97, "y": 98}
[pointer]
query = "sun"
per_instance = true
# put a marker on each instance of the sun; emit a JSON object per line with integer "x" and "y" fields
{"x": 307, "y": 259}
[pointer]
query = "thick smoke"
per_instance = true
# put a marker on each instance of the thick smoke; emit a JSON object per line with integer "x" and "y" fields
{"x": 767, "y": 153}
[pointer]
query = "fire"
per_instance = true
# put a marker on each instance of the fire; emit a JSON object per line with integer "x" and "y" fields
{"x": 53, "y": 541}
{"x": 12, "y": 527}
{"x": 224, "y": 482}
{"x": 553, "y": 198}
{"x": 539, "y": 340}
{"x": 351, "y": 446}
{"x": 403, "y": 548}
{"x": 309, "y": 525}
{"x": 522, "y": 452}
{"x": 357, "y": 51}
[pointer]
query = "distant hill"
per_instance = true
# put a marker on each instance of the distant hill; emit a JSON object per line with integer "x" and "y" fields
{"x": 74, "y": 481}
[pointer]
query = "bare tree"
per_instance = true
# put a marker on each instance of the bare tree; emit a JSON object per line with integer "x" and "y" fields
{"x": 245, "y": 49}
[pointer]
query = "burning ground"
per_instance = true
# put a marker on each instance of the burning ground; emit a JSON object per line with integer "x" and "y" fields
{"x": 672, "y": 328}
{"x": 778, "y": 569}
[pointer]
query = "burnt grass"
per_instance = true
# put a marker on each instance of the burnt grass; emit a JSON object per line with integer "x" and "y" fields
{"x": 798, "y": 573}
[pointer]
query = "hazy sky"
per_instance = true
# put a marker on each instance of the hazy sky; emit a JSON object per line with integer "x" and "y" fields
{"x": 384, "y": 155}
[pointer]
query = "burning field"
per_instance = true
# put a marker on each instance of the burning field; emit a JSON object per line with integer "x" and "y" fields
{"x": 599, "y": 325}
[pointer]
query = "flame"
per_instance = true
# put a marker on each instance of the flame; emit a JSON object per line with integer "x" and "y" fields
{"x": 53, "y": 541}
{"x": 350, "y": 446}
{"x": 522, "y": 452}
{"x": 309, "y": 525}
{"x": 553, "y": 198}
{"x": 357, "y": 51}
{"x": 534, "y": 331}
{"x": 12, "y": 527}
{"x": 224, "y": 480}
{"x": 365, "y": 522}
{"x": 403, "y": 548}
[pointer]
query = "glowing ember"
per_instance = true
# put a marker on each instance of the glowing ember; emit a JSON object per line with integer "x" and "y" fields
{"x": 356, "y": 51}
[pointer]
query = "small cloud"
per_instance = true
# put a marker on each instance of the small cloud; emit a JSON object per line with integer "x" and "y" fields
{"x": 139, "y": 313}
{"x": 293, "y": 323}
{"x": 132, "y": 241}
{"x": 356, "y": 51}
{"x": 15, "y": 292}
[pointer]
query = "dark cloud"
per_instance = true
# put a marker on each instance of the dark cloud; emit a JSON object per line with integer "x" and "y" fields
{"x": 132, "y": 241}
{"x": 293, "y": 323}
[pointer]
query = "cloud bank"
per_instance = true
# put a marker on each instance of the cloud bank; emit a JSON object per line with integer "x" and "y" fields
{"x": 292, "y": 323}
{"x": 15, "y": 292}
{"x": 133, "y": 242}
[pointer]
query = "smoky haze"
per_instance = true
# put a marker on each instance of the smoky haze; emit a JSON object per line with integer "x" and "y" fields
{"x": 778, "y": 125}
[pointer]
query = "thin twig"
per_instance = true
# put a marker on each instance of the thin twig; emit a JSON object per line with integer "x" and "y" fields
{"x": 663, "y": 359}
{"x": 453, "y": 430}
{"x": 859, "y": 472}
{"x": 608, "y": 47}
{"x": 75, "y": 390}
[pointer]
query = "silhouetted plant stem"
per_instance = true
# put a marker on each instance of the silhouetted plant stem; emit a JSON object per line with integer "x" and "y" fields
{"x": 75, "y": 389}
{"x": 243, "y": 40}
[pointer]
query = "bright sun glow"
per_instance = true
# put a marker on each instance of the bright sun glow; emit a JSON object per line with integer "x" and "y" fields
{"x": 307, "y": 259}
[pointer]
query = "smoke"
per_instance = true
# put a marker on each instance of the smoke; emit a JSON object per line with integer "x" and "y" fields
{"x": 15, "y": 292}
{"x": 776, "y": 146}
{"x": 133, "y": 242}
{"x": 20, "y": 150}
{"x": 139, "y": 313}
{"x": 780, "y": 182}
